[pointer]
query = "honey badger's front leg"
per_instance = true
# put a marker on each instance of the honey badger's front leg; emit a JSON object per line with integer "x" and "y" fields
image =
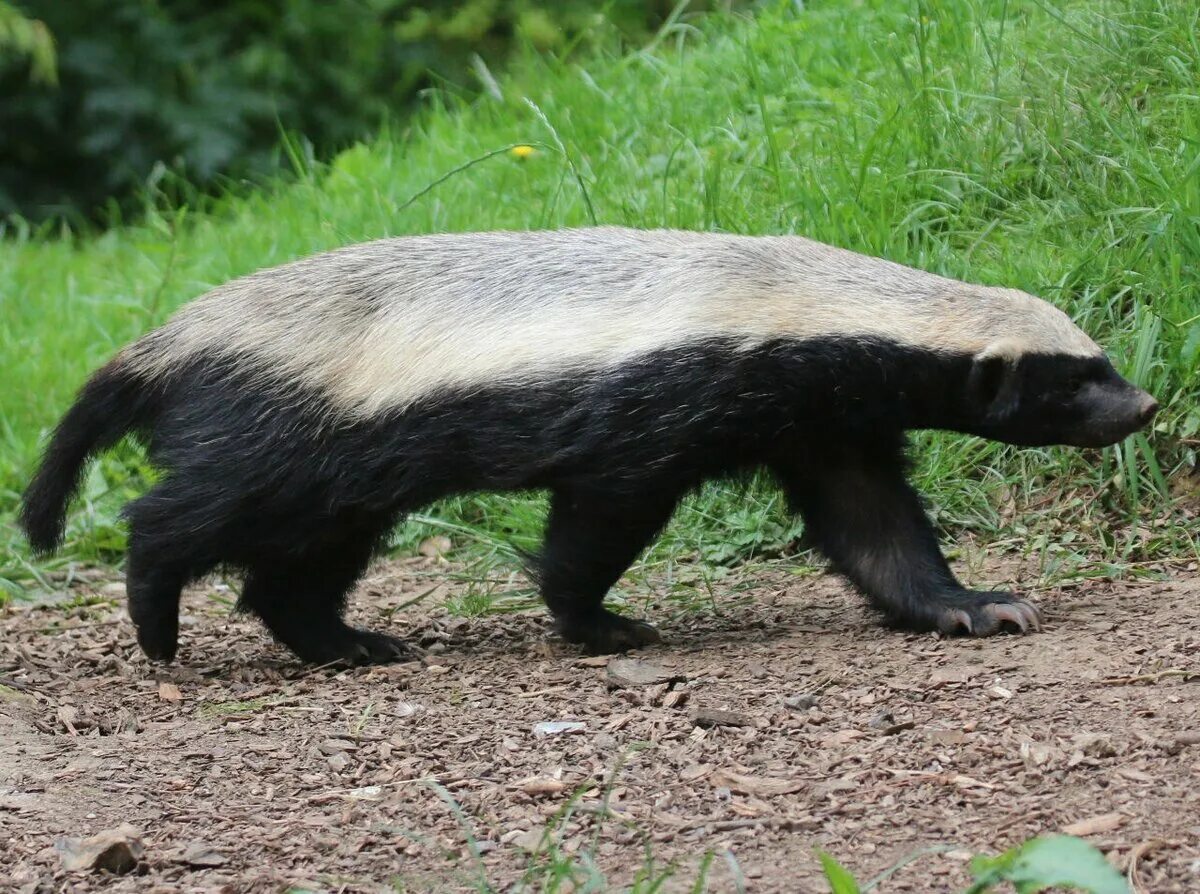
{"x": 864, "y": 516}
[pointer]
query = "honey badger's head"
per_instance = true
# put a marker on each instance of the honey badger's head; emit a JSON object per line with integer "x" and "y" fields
{"x": 1032, "y": 395}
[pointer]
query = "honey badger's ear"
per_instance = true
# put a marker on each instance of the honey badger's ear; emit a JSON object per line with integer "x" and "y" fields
{"x": 994, "y": 384}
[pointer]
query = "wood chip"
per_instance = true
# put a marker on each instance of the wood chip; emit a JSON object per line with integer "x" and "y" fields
{"x": 201, "y": 855}
{"x": 709, "y": 717}
{"x": 169, "y": 692}
{"x": 541, "y": 786}
{"x": 951, "y": 674}
{"x": 116, "y": 850}
{"x": 947, "y": 736}
{"x": 754, "y": 785}
{"x": 558, "y": 727}
{"x": 631, "y": 673}
{"x": 1096, "y": 825}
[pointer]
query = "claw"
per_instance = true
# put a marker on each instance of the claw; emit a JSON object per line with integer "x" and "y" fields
{"x": 1012, "y": 613}
{"x": 956, "y": 618}
{"x": 1035, "y": 616}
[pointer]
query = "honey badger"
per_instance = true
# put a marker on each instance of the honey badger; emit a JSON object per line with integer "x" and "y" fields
{"x": 299, "y": 412}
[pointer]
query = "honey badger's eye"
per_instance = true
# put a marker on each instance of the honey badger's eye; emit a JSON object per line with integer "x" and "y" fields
{"x": 1075, "y": 382}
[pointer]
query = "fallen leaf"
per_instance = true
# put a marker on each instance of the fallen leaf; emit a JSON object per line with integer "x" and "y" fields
{"x": 169, "y": 692}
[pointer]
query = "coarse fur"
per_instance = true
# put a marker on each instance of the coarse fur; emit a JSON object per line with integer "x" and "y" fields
{"x": 300, "y": 411}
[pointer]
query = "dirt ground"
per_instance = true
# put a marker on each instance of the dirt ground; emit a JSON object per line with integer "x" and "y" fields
{"x": 783, "y": 721}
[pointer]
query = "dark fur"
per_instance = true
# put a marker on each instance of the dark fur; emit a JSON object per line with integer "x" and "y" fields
{"x": 263, "y": 479}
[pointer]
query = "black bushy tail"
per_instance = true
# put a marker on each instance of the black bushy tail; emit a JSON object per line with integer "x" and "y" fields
{"x": 112, "y": 403}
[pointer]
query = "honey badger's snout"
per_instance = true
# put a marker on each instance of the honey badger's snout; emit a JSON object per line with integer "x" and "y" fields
{"x": 1113, "y": 410}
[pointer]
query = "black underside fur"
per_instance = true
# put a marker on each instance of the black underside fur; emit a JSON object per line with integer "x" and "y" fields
{"x": 265, "y": 478}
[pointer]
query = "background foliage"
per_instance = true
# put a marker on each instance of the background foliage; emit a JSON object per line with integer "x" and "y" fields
{"x": 205, "y": 88}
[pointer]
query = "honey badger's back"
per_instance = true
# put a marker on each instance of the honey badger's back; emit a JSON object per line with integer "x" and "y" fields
{"x": 377, "y": 326}
{"x": 299, "y": 410}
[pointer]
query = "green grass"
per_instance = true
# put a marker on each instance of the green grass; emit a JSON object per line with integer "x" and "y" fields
{"x": 1047, "y": 145}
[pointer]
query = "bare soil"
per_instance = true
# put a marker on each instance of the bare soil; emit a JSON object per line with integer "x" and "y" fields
{"x": 768, "y": 725}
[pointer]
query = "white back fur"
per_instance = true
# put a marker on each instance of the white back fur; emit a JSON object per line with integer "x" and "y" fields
{"x": 377, "y": 326}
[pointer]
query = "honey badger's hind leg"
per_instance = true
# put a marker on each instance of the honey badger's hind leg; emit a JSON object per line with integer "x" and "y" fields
{"x": 163, "y": 555}
{"x": 153, "y": 587}
{"x": 301, "y": 602}
{"x": 866, "y": 518}
{"x": 592, "y": 536}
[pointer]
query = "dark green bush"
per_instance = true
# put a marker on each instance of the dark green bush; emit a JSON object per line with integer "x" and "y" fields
{"x": 204, "y": 88}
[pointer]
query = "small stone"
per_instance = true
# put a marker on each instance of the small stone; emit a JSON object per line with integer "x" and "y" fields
{"x": 366, "y": 793}
{"x": 882, "y": 720}
{"x": 1095, "y": 744}
{"x": 800, "y": 702}
{"x": 436, "y": 546}
{"x": 339, "y": 762}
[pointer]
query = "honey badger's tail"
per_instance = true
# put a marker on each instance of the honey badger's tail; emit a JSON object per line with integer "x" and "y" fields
{"x": 112, "y": 403}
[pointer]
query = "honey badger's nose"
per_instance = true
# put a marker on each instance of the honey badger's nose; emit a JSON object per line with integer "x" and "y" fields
{"x": 1146, "y": 409}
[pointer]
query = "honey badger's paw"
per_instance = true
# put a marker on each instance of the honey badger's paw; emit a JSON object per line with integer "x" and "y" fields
{"x": 351, "y": 645}
{"x": 603, "y": 632}
{"x": 975, "y": 613}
